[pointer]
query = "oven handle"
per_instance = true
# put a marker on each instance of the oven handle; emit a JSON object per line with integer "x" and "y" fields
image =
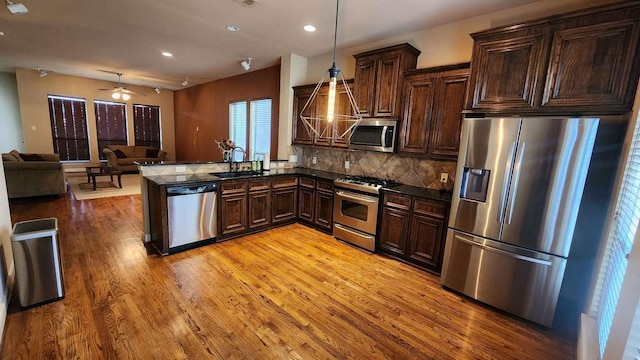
{"x": 356, "y": 197}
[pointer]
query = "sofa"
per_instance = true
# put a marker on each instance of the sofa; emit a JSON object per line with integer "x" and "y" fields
{"x": 33, "y": 174}
{"x": 124, "y": 157}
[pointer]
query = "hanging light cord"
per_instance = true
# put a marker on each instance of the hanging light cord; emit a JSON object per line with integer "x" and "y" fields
{"x": 335, "y": 33}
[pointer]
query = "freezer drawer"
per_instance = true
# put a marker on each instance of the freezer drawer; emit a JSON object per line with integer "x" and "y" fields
{"x": 521, "y": 282}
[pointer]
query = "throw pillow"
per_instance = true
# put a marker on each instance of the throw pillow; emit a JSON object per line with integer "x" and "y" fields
{"x": 8, "y": 157}
{"x": 31, "y": 157}
{"x": 152, "y": 153}
{"x": 119, "y": 154}
{"x": 16, "y": 154}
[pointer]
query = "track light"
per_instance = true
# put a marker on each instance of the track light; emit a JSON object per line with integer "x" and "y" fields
{"x": 186, "y": 81}
{"x": 42, "y": 72}
{"x": 157, "y": 90}
{"x": 16, "y": 9}
{"x": 246, "y": 64}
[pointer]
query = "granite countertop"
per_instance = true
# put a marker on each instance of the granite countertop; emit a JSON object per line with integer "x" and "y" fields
{"x": 176, "y": 179}
{"x": 425, "y": 193}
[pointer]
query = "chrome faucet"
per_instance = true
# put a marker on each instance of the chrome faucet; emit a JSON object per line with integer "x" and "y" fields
{"x": 233, "y": 151}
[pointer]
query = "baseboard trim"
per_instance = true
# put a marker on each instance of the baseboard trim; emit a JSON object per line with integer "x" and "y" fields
{"x": 587, "y": 339}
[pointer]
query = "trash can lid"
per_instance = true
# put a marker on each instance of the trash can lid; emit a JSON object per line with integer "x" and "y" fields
{"x": 25, "y": 230}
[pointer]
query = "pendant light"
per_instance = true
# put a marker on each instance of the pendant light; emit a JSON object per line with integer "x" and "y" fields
{"x": 331, "y": 125}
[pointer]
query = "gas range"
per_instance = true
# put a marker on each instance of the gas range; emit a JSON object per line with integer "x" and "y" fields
{"x": 362, "y": 183}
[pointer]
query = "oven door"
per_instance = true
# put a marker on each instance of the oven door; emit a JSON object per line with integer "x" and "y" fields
{"x": 355, "y": 210}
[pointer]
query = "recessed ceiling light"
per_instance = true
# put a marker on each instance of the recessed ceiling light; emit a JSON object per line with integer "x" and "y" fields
{"x": 309, "y": 28}
{"x": 167, "y": 54}
{"x": 233, "y": 28}
{"x": 1, "y": 33}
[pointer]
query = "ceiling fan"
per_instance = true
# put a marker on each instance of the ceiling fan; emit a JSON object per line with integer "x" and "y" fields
{"x": 120, "y": 91}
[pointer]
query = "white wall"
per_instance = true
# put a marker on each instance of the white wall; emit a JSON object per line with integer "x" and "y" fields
{"x": 6, "y": 259}
{"x": 293, "y": 70}
{"x": 11, "y": 135}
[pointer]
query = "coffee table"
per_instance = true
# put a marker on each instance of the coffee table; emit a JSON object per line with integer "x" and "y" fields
{"x": 103, "y": 170}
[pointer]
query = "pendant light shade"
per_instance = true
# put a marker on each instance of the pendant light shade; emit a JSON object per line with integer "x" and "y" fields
{"x": 325, "y": 123}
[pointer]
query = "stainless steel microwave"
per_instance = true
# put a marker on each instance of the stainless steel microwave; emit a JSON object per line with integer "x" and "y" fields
{"x": 375, "y": 135}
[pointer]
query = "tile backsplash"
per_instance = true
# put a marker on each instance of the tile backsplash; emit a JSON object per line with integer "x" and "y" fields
{"x": 404, "y": 169}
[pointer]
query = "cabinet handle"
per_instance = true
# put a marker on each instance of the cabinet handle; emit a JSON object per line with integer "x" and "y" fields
{"x": 502, "y": 252}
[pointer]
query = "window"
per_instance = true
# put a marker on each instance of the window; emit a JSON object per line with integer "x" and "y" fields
{"x": 146, "y": 124}
{"x": 620, "y": 241}
{"x": 250, "y": 130}
{"x": 111, "y": 125}
{"x": 69, "y": 128}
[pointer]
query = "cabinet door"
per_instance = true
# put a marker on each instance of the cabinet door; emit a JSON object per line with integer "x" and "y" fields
{"x": 387, "y": 77}
{"x": 300, "y": 97}
{"x": 425, "y": 241}
{"x": 233, "y": 213}
{"x": 507, "y": 73}
{"x": 284, "y": 203}
{"x": 323, "y": 217}
{"x": 365, "y": 87}
{"x": 589, "y": 67}
{"x": 259, "y": 208}
{"x": 417, "y": 118}
{"x": 394, "y": 231}
{"x": 446, "y": 120}
{"x": 322, "y": 101}
{"x": 306, "y": 204}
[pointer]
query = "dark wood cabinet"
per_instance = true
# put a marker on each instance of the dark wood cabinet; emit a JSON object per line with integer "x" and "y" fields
{"x": 584, "y": 62}
{"x": 316, "y": 203}
{"x": 284, "y": 198}
{"x": 233, "y": 207}
{"x": 158, "y": 221}
{"x": 379, "y": 82}
{"x": 302, "y": 94}
{"x": 412, "y": 229}
{"x": 259, "y": 203}
{"x": 434, "y": 100}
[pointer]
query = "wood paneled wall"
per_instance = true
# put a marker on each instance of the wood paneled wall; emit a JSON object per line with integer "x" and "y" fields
{"x": 202, "y": 112}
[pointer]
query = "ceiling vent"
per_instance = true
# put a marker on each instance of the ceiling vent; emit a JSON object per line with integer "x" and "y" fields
{"x": 246, "y": 2}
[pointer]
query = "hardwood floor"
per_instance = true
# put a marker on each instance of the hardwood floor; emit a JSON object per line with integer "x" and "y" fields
{"x": 287, "y": 293}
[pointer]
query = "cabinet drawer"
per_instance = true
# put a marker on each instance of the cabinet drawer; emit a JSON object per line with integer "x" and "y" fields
{"x": 259, "y": 184}
{"x": 397, "y": 201}
{"x": 284, "y": 181}
{"x": 431, "y": 208}
{"x": 231, "y": 187}
{"x": 325, "y": 185}
{"x": 307, "y": 182}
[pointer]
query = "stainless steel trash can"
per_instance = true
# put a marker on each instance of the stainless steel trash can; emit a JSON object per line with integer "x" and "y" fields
{"x": 36, "y": 256}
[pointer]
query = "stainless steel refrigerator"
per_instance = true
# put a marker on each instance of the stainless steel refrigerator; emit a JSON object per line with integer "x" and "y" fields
{"x": 518, "y": 190}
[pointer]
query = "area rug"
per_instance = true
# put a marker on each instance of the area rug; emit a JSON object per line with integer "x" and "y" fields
{"x": 104, "y": 187}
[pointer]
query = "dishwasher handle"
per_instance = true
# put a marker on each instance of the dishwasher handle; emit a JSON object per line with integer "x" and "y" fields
{"x": 192, "y": 189}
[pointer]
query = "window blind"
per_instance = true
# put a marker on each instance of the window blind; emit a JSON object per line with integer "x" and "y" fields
{"x": 238, "y": 126}
{"x": 111, "y": 125}
{"x": 619, "y": 244}
{"x": 146, "y": 125}
{"x": 69, "y": 128}
{"x": 260, "y": 121}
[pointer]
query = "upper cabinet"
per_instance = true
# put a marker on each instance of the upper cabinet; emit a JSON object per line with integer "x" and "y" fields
{"x": 577, "y": 63}
{"x": 378, "y": 80}
{"x": 302, "y": 94}
{"x": 434, "y": 100}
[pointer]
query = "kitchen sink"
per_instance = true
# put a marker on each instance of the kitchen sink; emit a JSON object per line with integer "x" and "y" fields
{"x": 236, "y": 174}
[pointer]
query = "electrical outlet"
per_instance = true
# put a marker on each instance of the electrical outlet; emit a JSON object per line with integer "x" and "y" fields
{"x": 180, "y": 169}
{"x": 314, "y": 160}
{"x": 444, "y": 177}
{"x": 33, "y": 127}
{"x": 346, "y": 164}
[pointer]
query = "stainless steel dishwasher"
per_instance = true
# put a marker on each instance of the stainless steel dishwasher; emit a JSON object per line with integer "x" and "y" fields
{"x": 191, "y": 213}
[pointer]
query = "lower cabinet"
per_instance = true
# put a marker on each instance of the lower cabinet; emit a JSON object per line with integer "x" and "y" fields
{"x": 259, "y": 203}
{"x": 233, "y": 207}
{"x": 412, "y": 229}
{"x": 315, "y": 205}
{"x": 284, "y": 197}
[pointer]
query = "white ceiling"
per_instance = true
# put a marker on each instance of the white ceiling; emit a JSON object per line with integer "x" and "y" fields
{"x": 83, "y": 37}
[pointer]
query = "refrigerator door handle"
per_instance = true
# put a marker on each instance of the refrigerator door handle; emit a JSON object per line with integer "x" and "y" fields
{"x": 516, "y": 179}
{"x": 502, "y": 252}
{"x": 505, "y": 182}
